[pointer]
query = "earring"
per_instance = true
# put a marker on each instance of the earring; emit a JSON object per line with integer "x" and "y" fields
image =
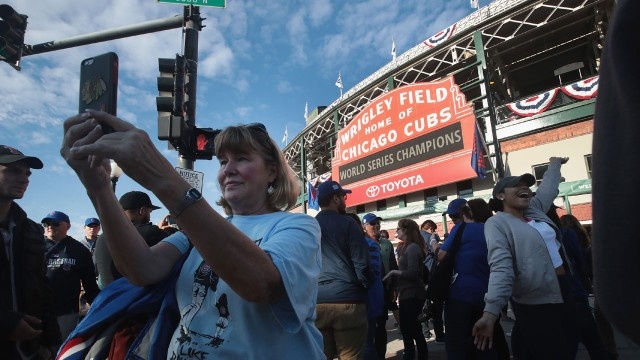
{"x": 270, "y": 189}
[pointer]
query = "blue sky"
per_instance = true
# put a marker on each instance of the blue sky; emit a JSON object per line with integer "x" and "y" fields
{"x": 258, "y": 62}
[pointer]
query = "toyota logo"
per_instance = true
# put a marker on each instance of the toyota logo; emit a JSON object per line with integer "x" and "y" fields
{"x": 373, "y": 191}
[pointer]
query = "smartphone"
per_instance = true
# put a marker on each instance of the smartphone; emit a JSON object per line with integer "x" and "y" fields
{"x": 99, "y": 84}
{"x": 171, "y": 221}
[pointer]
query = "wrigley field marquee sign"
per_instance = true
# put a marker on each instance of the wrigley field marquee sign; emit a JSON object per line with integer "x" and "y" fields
{"x": 412, "y": 138}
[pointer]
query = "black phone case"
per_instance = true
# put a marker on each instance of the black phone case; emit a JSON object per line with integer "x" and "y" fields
{"x": 99, "y": 83}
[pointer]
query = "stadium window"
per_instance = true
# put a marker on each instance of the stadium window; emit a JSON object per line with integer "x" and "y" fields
{"x": 402, "y": 201}
{"x": 381, "y": 204}
{"x": 587, "y": 160}
{"x": 431, "y": 195}
{"x": 538, "y": 171}
{"x": 360, "y": 209}
{"x": 465, "y": 188}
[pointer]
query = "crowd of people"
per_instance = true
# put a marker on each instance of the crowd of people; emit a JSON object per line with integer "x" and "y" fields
{"x": 323, "y": 287}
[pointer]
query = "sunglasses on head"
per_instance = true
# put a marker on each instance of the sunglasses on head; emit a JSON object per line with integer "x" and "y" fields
{"x": 51, "y": 223}
{"x": 258, "y": 127}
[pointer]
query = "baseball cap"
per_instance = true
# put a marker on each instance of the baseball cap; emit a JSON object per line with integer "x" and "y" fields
{"x": 455, "y": 206}
{"x": 136, "y": 200}
{"x": 512, "y": 181}
{"x": 369, "y": 218}
{"x": 9, "y": 155}
{"x": 57, "y": 216}
{"x": 91, "y": 221}
{"x": 329, "y": 188}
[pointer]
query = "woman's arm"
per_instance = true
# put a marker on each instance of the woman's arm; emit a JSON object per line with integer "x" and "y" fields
{"x": 501, "y": 274}
{"x": 548, "y": 189}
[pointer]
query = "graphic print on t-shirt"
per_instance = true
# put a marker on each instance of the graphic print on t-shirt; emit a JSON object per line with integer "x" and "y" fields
{"x": 222, "y": 322}
{"x": 204, "y": 279}
{"x": 199, "y": 333}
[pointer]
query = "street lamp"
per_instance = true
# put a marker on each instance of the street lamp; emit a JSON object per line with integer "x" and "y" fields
{"x": 116, "y": 172}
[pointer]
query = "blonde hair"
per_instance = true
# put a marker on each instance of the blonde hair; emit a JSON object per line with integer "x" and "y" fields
{"x": 254, "y": 137}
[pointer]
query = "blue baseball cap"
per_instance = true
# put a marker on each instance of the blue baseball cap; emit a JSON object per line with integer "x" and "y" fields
{"x": 369, "y": 218}
{"x": 454, "y": 207}
{"x": 91, "y": 221}
{"x": 330, "y": 188}
{"x": 57, "y": 216}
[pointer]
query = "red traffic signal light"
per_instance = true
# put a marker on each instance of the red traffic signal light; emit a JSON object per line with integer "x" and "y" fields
{"x": 204, "y": 143}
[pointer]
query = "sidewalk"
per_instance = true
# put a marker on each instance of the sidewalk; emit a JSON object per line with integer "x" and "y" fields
{"x": 627, "y": 350}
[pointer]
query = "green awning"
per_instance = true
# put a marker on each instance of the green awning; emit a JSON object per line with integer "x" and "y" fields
{"x": 578, "y": 187}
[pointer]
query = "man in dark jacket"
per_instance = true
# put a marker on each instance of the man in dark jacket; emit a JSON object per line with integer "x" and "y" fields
{"x": 137, "y": 207}
{"x": 345, "y": 276}
{"x": 371, "y": 226}
{"x": 28, "y": 326}
{"x": 69, "y": 269}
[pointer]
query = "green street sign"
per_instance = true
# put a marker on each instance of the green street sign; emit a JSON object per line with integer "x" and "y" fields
{"x": 211, "y": 3}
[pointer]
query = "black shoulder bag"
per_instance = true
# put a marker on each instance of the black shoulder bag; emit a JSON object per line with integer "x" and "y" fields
{"x": 442, "y": 271}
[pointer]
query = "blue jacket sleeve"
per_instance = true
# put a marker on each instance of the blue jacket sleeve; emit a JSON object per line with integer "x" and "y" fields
{"x": 359, "y": 250}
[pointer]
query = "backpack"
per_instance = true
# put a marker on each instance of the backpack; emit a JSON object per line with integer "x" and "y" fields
{"x": 428, "y": 262}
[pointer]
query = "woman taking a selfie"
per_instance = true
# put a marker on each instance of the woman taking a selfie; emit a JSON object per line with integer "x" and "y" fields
{"x": 248, "y": 287}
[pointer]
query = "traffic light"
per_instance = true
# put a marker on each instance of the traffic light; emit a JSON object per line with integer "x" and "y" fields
{"x": 171, "y": 125}
{"x": 12, "y": 28}
{"x": 190, "y": 76}
{"x": 204, "y": 143}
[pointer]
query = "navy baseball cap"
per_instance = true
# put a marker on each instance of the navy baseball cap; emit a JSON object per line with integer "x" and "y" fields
{"x": 57, "y": 216}
{"x": 369, "y": 218}
{"x": 9, "y": 155}
{"x": 454, "y": 207}
{"x": 91, "y": 221}
{"x": 330, "y": 188}
{"x": 512, "y": 181}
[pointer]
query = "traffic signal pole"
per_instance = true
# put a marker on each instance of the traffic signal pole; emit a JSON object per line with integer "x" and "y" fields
{"x": 193, "y": 26}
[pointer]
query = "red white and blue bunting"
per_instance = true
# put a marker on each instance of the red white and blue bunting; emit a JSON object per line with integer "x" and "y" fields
{"x": 440, "y": 37}
{"x": 583, "y": 89}
{"x": 534, "y": 105}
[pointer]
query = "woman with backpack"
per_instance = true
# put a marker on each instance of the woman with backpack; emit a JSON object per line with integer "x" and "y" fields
{"x": 464, "y": 303}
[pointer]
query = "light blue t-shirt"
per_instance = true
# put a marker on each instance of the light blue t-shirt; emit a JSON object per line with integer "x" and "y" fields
{"x": 216, "y": 323}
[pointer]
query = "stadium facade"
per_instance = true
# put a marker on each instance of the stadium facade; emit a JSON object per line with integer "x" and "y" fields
{"x": 494, "y": 94}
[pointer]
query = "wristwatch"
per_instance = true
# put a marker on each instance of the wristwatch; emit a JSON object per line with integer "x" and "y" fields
{"x": 191, "y": 197}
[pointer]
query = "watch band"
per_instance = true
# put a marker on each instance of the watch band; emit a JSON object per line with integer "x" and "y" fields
{"x": 191, "y": 197}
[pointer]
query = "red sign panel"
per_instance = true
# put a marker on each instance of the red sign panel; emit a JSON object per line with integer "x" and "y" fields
{"x": 412, "y": 138}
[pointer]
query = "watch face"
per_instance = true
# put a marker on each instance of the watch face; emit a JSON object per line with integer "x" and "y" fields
{"x": 194, "y": 194}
